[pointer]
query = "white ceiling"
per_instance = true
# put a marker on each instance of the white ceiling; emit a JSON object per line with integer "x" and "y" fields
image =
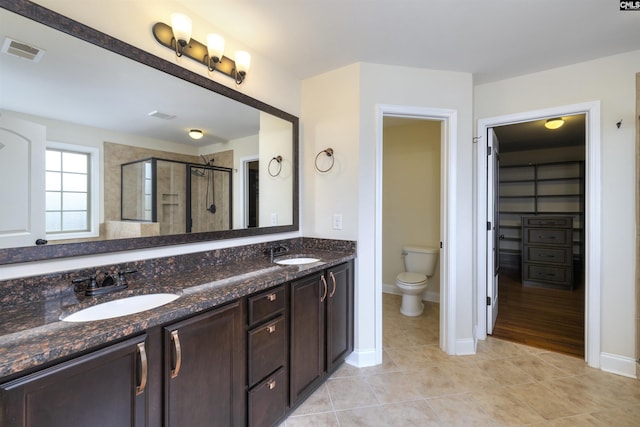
{"x": 493, "y": 39}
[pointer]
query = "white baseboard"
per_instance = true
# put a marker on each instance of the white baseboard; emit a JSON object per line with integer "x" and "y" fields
{"x": 620, "y": 365}
{"x": 465, "y": 347}
{"x": 362, "y": 358}
{"x": 427, "y": 296}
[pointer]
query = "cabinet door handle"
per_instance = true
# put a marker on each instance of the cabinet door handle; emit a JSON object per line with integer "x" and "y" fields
{"x": 271, "y": 328}
{"x": 272, "y": 297}
{"x": 333, "y": 278}
{"x": 271, "y": 384}
{"x": 324, "y": 283}
{"x": 176, "y": 345}
{"x": 143, "y": 370}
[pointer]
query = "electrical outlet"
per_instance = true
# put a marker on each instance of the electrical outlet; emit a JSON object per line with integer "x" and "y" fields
{"x": 337, "y": 221}
{"x": 274, "y": 219}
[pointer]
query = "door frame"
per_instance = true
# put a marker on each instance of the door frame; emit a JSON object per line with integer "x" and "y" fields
{"x": 448, "y": 135}
{"x": 593, "y": 197}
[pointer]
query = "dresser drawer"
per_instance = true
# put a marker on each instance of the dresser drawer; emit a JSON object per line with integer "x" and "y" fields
{"x": 548, "y": 255}
{"x": 268, "y": 400}
{"x": 266, "y": 305}
{"x": 548, "y": 222}
{"x": 548, "y": 273}
{"x": 547, "y": 236}
{"x": 266, "y": 349}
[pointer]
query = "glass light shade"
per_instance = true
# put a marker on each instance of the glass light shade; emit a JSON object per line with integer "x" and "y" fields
{"x": 196, "y": 134}
{"x": 554, "y": 123}
{"x": 215, "y": 46}
{"x": 243, "y": 61}
{"x": 181, "y": 26}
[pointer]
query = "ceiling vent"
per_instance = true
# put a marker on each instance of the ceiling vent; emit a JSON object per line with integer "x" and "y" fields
{"x": 22, "y": 50}
{"x": 160, "y": 115}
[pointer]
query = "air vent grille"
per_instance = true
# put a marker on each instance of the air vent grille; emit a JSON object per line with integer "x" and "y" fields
{"x": 22, "y": 50}
{"x": 160, "y": 115}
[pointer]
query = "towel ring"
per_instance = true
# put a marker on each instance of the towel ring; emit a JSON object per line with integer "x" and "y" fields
{"x": 329, "y": 153}
{"x": 277, "y": 159}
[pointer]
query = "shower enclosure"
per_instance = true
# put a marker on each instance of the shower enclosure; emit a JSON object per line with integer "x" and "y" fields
{"x": 181, "y": 197}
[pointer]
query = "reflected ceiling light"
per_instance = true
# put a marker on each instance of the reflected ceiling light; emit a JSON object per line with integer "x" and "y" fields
{"x": 196, "y": 134}
{"x": 181, "y": 29}
{"x": 177, "y": 37}
{"x": 554, "y": 123}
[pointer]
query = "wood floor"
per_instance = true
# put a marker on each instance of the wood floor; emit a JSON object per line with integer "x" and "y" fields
{"x": 546, "y": 318}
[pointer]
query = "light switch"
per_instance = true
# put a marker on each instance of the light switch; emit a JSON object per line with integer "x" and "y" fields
{"x": 274, "y": 219}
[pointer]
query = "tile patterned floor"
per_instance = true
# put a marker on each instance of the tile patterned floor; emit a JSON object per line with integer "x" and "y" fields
{"x": 504, "y": 384}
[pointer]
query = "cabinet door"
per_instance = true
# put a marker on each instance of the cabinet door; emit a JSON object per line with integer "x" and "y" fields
{"x": 105, "y": 388}
{"x": 307, "y": 334}
{"x": 204, "y": 369}
{"x": 339, "y": 314}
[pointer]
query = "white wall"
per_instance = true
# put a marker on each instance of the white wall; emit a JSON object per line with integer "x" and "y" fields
{"x": 339, "y": 111}
{"x": 411, "y": 196}
{"x": 611, "y": 81}
{"x": 132, "y": 24}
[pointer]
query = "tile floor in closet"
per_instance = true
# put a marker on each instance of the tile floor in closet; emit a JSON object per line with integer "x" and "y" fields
{"x": 504, "y": 384}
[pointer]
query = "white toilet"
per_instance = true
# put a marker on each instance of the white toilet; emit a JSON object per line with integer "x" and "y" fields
{"x": 419, "y": 263}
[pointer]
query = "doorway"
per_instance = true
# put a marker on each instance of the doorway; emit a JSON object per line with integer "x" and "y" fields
{"x": 410, "y": 217}
{"x": 592, "y": 227}
{"x": 448, "y": 121}
{"x": 539, "y": 233}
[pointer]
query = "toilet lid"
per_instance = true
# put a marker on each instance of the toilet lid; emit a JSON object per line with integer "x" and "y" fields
{"x": 411, "y": 278}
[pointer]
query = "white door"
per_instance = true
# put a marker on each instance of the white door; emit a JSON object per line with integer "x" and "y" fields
{"x": 493, "y": 228}
{"x": 22, "y": 182}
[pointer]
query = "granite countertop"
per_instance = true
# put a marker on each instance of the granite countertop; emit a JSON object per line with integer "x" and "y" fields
{"x": 32, "y": 335}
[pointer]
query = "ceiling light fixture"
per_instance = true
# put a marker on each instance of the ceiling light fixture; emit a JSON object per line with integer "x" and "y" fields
{"x": 177, "y": 37}
{"x": 554, "y": 123}
{"x": 196, "y": 134}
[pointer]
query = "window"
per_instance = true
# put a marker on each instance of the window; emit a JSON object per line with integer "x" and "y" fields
{"x": 70, "y": 208}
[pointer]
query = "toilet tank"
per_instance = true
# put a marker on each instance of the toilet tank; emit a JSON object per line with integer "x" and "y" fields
{"x": 419, "y": 259}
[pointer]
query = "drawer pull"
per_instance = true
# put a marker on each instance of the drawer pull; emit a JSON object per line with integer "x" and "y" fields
{"x": 271, "y": 328}
{"x": 324, "y": 283}
{"x": 547, "y": 237}
{"x": 176, "y": 344}
{"x": 271, "y": 384}
{"x": 143, "y": 370}
{"x": 272, "y": 297}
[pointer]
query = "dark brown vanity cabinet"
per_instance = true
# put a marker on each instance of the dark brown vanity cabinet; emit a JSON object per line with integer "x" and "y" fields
{"x": 267, "y": 357}
{"x": 321, "y": 319}
{"x": 204, "y": 369}
{"x": 105, "y": 388}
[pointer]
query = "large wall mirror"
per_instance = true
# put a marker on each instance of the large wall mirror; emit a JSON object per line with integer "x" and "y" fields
{"x": 95, "y": 154}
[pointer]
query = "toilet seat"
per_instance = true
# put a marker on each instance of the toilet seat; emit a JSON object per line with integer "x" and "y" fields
{"x": 411, "y": 279}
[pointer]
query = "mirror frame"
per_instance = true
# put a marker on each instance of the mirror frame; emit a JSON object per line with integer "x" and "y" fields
{"x": 76, "y": 29}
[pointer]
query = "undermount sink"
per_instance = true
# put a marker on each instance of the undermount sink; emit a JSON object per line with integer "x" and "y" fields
{"x": 120, "y": 307}
{"x": 296, "y": 261}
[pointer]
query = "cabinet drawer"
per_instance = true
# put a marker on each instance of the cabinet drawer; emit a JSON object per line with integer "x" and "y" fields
{"x": 266, "y": 349}
{"x": 265, "y": 305}
{"x": 268, "y": 400}
{"x": 548, "y": 255}
{"x": 560, "y": 237}
{"x": 552, "y": 274}
{"x": 560, "y": 222}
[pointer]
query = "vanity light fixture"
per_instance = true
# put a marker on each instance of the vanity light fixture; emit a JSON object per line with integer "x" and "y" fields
{"x": 177, "y": 37}
{"x": 196, "y": 134}
{"x": 181, "y": 29}
{"x": 554, "y": 123}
